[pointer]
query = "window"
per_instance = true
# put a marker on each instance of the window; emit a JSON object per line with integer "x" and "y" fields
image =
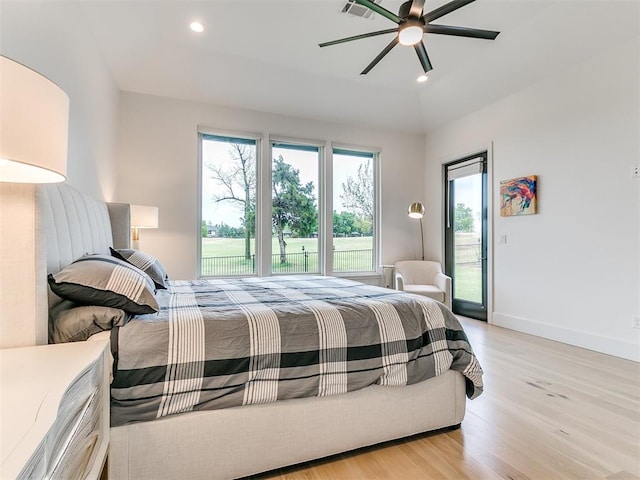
{"x": 228, "y": 171}
{"x": 294, "y": 210}
{"x": 354, "y": 211}
{"x": 275, "y": 217}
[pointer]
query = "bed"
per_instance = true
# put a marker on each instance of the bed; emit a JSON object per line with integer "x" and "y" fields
{"x": 177, "y": 438}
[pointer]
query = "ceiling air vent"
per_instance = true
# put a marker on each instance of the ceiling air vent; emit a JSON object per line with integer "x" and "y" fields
{"x": 358, "y": 10}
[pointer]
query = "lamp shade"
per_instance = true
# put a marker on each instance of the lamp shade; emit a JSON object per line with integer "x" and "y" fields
{"x": 34, "y": 126}
{"x": 143, "y": 216}
{"x": 416, "y": 210}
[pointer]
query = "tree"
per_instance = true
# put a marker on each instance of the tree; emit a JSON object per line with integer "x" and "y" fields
{"x": 205, "y": 230}
{"x": 364, "y": 227}
{"x": 357, "y": 193}
{"x": 227, "y": 231}
{"x": 344, "y": 223}
{"x": 238, "y": 181}
{"x": 463, "y": 218}
{"x": 293, "y": 204}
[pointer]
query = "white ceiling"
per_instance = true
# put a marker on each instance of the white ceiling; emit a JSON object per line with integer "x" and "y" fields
{"x": 264, "y": 55}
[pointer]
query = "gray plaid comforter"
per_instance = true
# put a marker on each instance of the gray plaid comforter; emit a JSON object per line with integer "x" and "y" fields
{"x": 224, "y": 343}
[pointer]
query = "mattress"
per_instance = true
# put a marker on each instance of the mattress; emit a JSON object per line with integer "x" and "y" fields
{"x": 229, "y": 342}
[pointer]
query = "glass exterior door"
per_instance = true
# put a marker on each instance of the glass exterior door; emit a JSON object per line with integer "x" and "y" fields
{"x": 466, "y": 235}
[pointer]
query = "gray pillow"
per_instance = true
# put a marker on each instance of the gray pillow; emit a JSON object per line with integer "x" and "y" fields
{"x": 105, "y": 281}
{"x": 78, "y": 324}
{"x": 145, "y": 262}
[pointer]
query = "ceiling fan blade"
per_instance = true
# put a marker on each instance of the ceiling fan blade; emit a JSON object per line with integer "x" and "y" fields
{"x": 461, "y": 31}
{"x": 416, "y": 8}
{"x": 444, "y": 9}
{"x": 358, "y": 37}
{"x": 380, "y": 10}
{"x": 380, "y": 56}
{"x": 424, "y": 58}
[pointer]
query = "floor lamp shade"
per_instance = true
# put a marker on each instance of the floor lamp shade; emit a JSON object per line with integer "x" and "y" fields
{"x": 416, "y": 210}
{"x": 34, "y": 126}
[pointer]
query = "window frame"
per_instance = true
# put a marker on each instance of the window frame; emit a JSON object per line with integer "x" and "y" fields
{"x": 257, "y": 137}
{"x": 321, "y": 200}
{"x": 377, "y": 208}
{"x": 263, "y": 228}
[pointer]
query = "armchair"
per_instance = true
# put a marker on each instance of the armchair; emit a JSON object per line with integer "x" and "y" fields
{"x": 424, "y": 278}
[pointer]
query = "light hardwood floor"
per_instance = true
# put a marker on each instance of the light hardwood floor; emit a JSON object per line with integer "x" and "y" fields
{"x": 549, "y": 411}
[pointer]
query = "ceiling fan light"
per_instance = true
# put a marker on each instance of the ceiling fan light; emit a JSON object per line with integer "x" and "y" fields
{"x": 410, "y": 33}
{"x": 196, "y": 27}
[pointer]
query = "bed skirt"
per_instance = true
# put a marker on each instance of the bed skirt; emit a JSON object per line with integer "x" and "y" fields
{"x": 241, "y": 441}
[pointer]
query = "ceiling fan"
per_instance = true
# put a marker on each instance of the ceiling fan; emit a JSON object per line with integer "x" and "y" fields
{"x": 413, "y": 23}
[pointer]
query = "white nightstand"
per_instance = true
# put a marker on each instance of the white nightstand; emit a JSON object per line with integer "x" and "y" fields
{"x": 54, "y": 411}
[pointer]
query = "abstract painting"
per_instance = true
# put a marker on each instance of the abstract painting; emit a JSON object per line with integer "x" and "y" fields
{"x": 518, "y": 196}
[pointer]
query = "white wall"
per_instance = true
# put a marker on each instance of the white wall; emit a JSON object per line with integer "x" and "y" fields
{"x": 571, "y": 272}
{"x": 158, "y": 165}
{"x": 48, "y": 37}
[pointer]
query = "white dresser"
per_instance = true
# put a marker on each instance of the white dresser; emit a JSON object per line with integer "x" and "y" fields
{"x": 54, "y": 411}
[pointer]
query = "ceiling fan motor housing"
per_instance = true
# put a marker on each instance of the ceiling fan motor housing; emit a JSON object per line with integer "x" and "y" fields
{"x": 403, "y": 11}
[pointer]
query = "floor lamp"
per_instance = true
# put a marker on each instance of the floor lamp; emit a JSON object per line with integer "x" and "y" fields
{"x": 416, "y": 210}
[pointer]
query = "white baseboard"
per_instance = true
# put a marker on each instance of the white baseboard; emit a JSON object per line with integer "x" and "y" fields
{"x": 610, "y": 346}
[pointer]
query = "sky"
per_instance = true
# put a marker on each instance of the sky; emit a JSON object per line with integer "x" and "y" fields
{"x": 304, "y": 161}
{"x": 468, "y": 190}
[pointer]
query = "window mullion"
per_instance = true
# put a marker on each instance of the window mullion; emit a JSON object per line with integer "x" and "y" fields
{"x": 326, "y": 178}
{"x": 264, "y": 211}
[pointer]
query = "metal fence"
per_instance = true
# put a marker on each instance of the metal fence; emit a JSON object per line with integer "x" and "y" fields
{"x": 353, "y": 260}
{"x": 305, "y": 262}
{"x": 468, "y": 254}
{"x": 229, "y": 265}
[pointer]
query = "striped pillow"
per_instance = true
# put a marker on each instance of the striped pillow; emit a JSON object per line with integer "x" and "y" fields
{"x": 106, "y": 281}
{"x": 145, "y": 262}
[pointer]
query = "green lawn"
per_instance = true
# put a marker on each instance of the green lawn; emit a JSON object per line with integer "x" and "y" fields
{"x": 351, "y": 254}
{"x": 468, "y": 284}
{"x": 468, "y": 274}
{"x": 223, "y": 247}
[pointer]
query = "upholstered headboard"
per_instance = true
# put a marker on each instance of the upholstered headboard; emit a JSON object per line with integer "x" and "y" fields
{"x": 75, "y": 224}
{"x": 120, "y": 216}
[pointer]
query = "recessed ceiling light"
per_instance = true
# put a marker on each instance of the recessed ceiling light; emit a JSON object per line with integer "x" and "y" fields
{"x": 196, "y": 27}
{"x": 422, "y": 78}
